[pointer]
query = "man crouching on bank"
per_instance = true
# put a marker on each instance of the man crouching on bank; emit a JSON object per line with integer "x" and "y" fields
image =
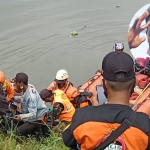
{"x": 62, "y": 108}
{"x": 33, "y": 108}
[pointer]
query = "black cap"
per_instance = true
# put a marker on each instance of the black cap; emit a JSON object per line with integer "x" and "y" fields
{"x": 118, "y": 62}
{"x": 21, "y": 77}
{"x": 45, "y": 94}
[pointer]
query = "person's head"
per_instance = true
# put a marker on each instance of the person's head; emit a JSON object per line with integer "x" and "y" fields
{"x": 2, "y": 79}
{"x": 61, "y": 78}
{"x": 21, "y": 81}
{"x": 47, "y": 95}
{"x": 118, "y": 46}
{"x": 119, "y": 74}
{"x": 148, "y": 29}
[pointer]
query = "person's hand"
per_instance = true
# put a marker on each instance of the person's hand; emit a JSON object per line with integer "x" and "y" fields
{"x": 10, "y": 109}
{"x": 57, "y": 120}
{"x": 95, "y": 100}
{"x": 17, "y": 117}
{"x": 95, "y": 94}
{"x": 51, "y": 110}
{"x": 134, "y": 39}
{"x": 12, "y": 99}
{"x": 131, "y": 102}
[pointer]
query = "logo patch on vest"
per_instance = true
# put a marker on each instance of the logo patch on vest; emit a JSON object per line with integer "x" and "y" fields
{"x": 118, "y": 144}
{"x": 4, "y": 87}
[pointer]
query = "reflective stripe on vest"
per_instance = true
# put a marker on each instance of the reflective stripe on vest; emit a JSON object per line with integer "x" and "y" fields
{"x": 68, "y": 84}
{"x": 4, "y": 86}
{"x": 67, "y": 109}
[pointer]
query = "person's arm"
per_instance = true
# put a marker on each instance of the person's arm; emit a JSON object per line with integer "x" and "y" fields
{"x": 57, "y": 110}
{"x": 32, "y": 108}
{"x": 68, "y": 138}
{"x": 95, "y": 99}
{"x": 9, "y": 91}
{"x": 52, "y": 86}
{"x": 148, "y": 148}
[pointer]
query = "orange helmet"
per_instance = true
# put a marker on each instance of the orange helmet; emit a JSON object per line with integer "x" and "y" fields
{"x": 2, "y": 77}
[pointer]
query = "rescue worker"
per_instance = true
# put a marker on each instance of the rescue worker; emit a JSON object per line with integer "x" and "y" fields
{"x": 62, "y": 107}
{"x": 61, "y": 82}
{"x": 33, "y": 108}
{"x": 91, "y": 126}
{"x": 118, "y": 46}
{"x": 5, "y": 87}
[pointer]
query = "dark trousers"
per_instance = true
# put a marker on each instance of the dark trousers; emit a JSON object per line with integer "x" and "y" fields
{"x": 32, "y": 128}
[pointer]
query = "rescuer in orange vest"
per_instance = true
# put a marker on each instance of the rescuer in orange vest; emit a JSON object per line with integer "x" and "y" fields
{"x": 5, "y": 87}
{"x": 61, "y": 105}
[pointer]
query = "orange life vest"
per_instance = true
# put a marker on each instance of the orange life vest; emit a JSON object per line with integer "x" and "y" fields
{"x": 70, "y": 91}
{"x": 69, "y": 110}
{"x": 84, "y": 104}
{"x": 8, "y": 91}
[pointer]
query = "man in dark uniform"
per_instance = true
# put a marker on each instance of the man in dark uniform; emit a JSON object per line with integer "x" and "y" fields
{"x": 91, "y": 126}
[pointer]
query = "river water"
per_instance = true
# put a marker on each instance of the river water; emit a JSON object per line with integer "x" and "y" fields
{"x": 35, "y": 36}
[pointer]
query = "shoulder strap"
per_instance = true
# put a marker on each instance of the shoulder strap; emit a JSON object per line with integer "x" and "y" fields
{"x": 127, "y": 123}
{"x": 68, "y": 84}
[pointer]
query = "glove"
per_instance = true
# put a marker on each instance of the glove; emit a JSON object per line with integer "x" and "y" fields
{"x": 51, "y": 110}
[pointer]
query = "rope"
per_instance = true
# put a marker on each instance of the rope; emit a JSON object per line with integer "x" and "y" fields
{"x": 43, "y": 122}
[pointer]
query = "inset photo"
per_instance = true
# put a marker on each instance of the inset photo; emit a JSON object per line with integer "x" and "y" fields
{"x": 139, "y": 36}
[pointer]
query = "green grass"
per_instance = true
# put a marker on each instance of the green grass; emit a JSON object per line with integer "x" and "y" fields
{"x": 54, "y": 142}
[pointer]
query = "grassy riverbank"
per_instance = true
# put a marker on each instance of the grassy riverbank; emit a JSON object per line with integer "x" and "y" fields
{"x": 54, "y": 142}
